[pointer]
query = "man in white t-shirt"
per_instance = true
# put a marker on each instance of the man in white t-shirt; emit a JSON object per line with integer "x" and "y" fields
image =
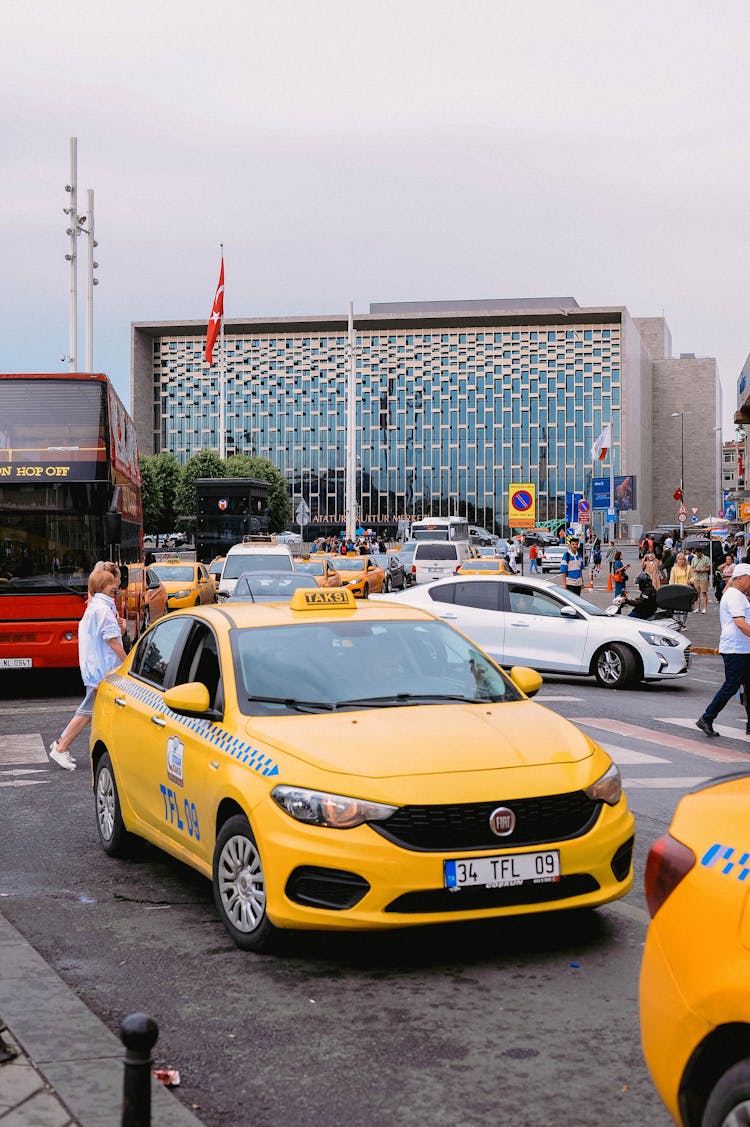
{"x": 734, "y": 647}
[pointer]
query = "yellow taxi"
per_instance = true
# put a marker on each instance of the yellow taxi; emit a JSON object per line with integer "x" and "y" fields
{"x": 334, "y": 765}
{"x": 321, "y": 568}
{"x": 361, "y": 574}
{"x": 484, "y": 566}
{"x": 187, "y": 582}
{"x": 694, "y": 997}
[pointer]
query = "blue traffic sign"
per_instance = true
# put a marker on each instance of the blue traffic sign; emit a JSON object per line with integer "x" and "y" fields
{"x": 694, "y": 518}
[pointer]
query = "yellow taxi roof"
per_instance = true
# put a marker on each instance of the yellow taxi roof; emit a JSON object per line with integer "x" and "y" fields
{"x": 248, "y": 615}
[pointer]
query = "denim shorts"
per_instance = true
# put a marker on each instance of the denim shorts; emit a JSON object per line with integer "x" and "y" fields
{"x": 86, "y": 707}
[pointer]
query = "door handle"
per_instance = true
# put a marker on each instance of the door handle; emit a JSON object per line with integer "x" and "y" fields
{"x": 158, "y": 721}
{"x": 120, "y": 701}
{"x": 449, "y": 616}
{"x": 523, "y": 625}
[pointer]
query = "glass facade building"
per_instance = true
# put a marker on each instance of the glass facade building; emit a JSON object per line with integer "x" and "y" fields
{"x": 452, "y": 405}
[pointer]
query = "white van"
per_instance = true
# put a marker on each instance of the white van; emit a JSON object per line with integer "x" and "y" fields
{"x": 252, "y": 557}
{"x": 437, "y": 559}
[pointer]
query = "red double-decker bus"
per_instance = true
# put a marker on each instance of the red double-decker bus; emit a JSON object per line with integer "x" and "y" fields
{"x": 70, "y": 494}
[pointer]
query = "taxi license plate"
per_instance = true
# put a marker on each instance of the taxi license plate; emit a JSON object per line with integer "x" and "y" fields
{"x": 15, "y": 663}
{"x": 503, "y": 871}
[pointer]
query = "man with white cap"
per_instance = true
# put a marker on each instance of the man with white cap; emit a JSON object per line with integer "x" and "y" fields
{"x": 734, "y": 647}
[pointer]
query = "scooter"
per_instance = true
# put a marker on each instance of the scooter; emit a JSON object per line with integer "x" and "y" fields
{"x": 674, "y": 602}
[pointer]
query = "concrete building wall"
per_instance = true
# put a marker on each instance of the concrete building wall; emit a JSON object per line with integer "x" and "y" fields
{"x": 637, "y": 420}
{"x": 686, "y": 385}
{"x": 655, "y": 335}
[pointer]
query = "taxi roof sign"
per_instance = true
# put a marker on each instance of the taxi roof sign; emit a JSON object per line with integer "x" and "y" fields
{"x": 334, "y": 598}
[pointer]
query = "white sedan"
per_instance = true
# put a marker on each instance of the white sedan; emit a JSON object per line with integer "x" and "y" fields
{"x": 524, "y": 621}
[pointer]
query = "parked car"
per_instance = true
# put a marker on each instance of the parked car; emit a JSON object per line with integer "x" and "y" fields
{"x": 694, "y": 1000}
{"x": 527, "y": 621}
{"x": 551, "y": 557}
{"x": 288, "y": 538}
{"x": 481, "y": 537}
{"x": 405, "y": 553}
{"x": 395, "y": 574}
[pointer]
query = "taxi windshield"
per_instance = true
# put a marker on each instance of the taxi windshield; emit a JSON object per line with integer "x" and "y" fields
{"x": 352, "y": 664}
{"x": 350, "y": 563}
{"x": 174, "y": 574}
{"x": 312, "y": 567}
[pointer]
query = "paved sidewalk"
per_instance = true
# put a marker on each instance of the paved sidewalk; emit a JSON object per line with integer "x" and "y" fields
{"x": 69, "y": 1067}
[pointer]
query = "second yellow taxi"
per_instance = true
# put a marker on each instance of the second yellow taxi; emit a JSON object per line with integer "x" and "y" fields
{"x": 188, "y": 583}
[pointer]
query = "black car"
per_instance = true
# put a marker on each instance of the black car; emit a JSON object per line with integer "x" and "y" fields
{"x": 405, "y": 555}
{"x": 395, "y": 572}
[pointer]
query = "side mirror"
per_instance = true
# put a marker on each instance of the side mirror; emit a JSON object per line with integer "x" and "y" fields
{"x": 525, "y": 679}
{"x": 192, "y": 697}
{"x": 568, "y": 612}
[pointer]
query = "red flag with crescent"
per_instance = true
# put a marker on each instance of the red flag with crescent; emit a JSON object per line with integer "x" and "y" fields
{"x": 217, "y": 315}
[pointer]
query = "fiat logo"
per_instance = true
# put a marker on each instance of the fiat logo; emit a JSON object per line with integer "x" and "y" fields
{"x": 502, "y": 821}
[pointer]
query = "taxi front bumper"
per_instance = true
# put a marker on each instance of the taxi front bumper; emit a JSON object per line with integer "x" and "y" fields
{"x": 320, "y": 878}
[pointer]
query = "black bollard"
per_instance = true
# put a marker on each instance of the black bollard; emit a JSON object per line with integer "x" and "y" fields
{"x": 138, "y": 1033}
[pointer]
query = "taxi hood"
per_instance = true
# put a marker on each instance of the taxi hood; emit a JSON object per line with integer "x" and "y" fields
{"x": 426, "y": 739}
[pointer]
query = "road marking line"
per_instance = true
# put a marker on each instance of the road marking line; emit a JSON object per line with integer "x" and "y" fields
{"x": 665, "y": 739}
{"x": 624, "y": 755}
{"x": 25, "y": 783}
{"x": 20, "y": 770}
{"x": 63, "y": 707}
{"x": 727, "y": 731}
{"x": 665, "y": 784}
{"x": 546, "y": 697}
{"x": 22, "y": 749}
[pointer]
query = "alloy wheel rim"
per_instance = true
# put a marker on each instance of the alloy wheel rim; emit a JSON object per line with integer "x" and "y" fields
{"x": 241, "y": 883}
{"x": 105, "y": 803}
{"x": 610, "y": 666}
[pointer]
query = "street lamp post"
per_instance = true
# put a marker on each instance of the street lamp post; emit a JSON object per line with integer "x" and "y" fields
{"x": 681, "y": 415}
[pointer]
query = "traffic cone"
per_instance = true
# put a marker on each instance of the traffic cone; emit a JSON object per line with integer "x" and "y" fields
{"x": 609, "y": 582}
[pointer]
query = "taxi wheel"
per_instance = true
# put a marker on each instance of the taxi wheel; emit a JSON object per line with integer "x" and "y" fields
{"x": 113, "y": 836}
{"x": 366, "y": 591}
{"x": 387, "y": 585}
{"x": 729, "y": 1102}
{"x": 240, "y": 886}
{"x": 614, "y": 666}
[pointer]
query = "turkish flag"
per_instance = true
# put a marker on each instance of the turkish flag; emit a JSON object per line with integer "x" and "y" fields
{"x": 217, "y": 315}
{"x": 678, "y": 494}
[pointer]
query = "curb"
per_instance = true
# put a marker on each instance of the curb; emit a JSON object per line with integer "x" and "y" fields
{"x": 68, "y": 1046}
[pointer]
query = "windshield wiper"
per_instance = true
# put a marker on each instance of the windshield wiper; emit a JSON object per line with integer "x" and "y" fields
{"x": 299, "y": 705}
{"x": 396, "y": 699}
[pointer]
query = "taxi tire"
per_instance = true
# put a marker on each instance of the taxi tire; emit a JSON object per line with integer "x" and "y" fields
{"x": 366, "y": 591}
{"x": 615, "y": 666}
{"x": 387, "y": 585}
{"x": 118, "y": 840}
{"x": 236, "y": 840}
{"x": 730, "y": 1095}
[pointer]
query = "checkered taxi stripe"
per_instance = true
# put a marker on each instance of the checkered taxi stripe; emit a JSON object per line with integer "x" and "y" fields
{"x": 213, "y": 734}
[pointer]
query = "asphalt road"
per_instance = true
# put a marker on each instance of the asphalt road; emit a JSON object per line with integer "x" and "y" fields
{"x": 526, "y": 1021}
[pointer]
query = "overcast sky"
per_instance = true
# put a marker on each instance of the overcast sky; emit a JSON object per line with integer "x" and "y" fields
{"x": 382, "y": 151}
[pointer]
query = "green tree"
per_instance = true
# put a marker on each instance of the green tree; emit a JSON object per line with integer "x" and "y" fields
{"x": 151, "y": 496}
{"x": 206, "y": 463}
{"x": 168, "y": 474}
{"x": 279, "y": 501}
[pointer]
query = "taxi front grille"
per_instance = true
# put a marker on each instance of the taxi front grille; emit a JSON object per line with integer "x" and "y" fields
{"x": 553, "y": 817}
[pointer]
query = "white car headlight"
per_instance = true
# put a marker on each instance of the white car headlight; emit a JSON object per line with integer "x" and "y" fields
{"x": 608, "y": 788}
{"x": 333, "y": 810}
{"x": 658, "y": 639}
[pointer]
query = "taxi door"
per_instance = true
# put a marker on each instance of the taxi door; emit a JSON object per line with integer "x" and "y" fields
{"x": 165, "y": 752}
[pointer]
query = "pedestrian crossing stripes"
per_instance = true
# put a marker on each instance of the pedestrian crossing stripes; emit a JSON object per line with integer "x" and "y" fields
{"x": 699, "y": 746}
{"x": 17, "y": 749}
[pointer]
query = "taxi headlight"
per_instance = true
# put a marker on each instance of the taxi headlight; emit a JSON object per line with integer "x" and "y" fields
{"x": 333, "y": 810}
{"x": 658, "y": 639}
{"x": 608, "y": 788}
{"x": 180, "y": 594}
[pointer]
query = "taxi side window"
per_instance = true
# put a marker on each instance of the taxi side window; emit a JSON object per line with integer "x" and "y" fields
{"x": 156, "y": 651}
{"x": 200, "y": 662}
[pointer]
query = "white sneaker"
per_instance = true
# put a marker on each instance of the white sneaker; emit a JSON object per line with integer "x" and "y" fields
{"x": 63, "y": 758}
{"x": 703, "y": 611}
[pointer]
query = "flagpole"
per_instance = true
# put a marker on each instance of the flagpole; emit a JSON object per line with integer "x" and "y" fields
{"x": 222, "y": 386}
